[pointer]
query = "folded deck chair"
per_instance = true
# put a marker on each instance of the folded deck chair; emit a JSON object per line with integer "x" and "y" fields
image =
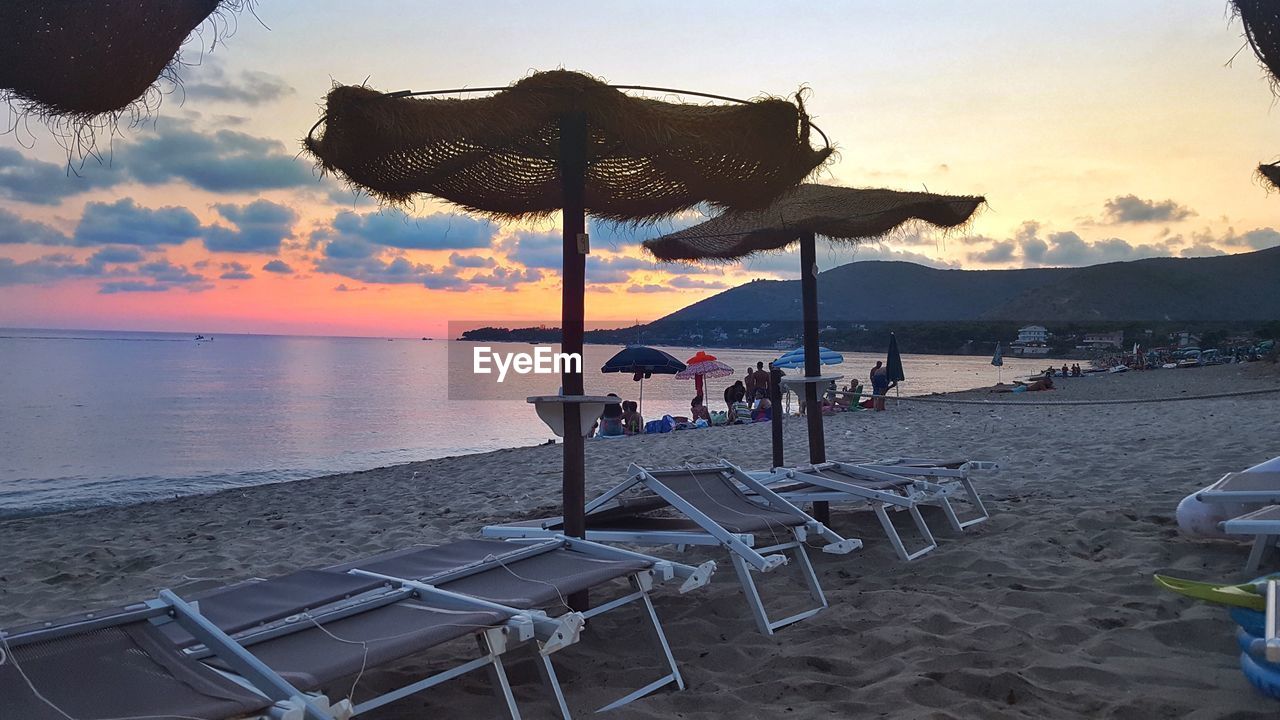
{"x": 713, "y": 511}
{"x": 822, "y": 483}
{"x": 939, "y": 481}
{"x": 539, "y": 575}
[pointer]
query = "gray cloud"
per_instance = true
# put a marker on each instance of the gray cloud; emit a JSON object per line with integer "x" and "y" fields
{"x": 235, "y": 271}
{"x": 117, "y": 255}
{"x": 124, "y": 222}
{"x": 50, "y": 269}
{"x": 689, "y": 283}
{"x": 249, "y": 87}
{"x": 43, "y": 183}
{"x": 223, "y": 161}
{"x": 260, "y": 227}
{"x": 1133, "y": 209}
{"x": 471, "y": 261}
{"x": 645, "y": 288}
{"x": 279, "y": 267}
{"x": 507, "y": 278}
{"x": 395, "y": 228}
{"x": 14, "y": 230}
{"x": 1001, "y": 251}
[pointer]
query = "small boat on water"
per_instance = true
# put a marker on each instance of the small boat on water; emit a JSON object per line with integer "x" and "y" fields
{"x": 1119, "y": 369}
{"x": 203, "y": 339}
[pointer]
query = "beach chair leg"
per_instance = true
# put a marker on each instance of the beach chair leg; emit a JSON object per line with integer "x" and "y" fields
{"x": 896, "y": 540}
{"x": 752, "y": 594}
{"x": 1261, "y": 548}
{"x": 498, "y": 675}
{"x": 552, "y": 683}
{"x": 810, "y": 577}
{"x": 672, "y": 677}
{"x": 662, "y": 641}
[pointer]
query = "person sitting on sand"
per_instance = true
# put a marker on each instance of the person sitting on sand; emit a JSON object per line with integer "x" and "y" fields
{"x": 763, "y": 409}
{"x": 698, "y": 411}
{"x": 611, "y": 419}
{"x": 734, "y": 394}
{"x": 632, "y": 423}
{"x": 1040, "y": 383}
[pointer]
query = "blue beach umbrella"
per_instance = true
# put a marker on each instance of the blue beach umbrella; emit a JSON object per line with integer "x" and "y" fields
{"x": 998, "y": 361}
{"x": 642, "y": 361}
{"x": 795, "y": 358}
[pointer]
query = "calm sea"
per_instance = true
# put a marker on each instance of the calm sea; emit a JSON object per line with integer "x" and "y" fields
{"x": 102, "y": 418}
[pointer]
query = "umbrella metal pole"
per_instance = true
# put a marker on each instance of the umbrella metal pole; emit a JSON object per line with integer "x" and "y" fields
{"x": 573, "y": 172}
{"x": 812, "y": 361}
{"x": 775, "y": 423}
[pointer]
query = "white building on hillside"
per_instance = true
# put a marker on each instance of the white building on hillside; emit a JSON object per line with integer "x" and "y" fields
{"x": 1033, "y": 334}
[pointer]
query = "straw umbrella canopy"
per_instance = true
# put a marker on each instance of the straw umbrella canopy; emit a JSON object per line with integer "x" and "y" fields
{"x": 565, "y": 141}
{"x": 1261, "y": 20}
{"x": 83, "y": 60}
{"x": 838, "y": 213}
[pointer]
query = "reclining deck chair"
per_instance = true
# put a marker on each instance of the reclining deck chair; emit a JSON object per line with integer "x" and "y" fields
{"x": 714, "y": 512}
{"x": 537, "y": 575}
{"x": 810, "y": 483}
{"x": 1250, "y": 488}
{"x": 939, "y": 481}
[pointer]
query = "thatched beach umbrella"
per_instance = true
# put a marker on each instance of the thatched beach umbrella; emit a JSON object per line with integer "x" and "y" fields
{"x": 82, "y": 60}
{"x": 841, "y": 215}
{"x": 1261, "y": 20}
{"x": 564, "y": 141}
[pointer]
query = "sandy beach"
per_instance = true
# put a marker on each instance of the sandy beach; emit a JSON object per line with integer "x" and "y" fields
{"x": 1046, "y": 611}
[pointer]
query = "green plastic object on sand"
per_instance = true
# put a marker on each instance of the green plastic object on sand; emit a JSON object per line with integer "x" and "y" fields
{"x": 1246, "y": 595}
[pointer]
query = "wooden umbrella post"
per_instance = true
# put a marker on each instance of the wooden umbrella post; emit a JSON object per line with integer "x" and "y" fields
{"x": 775, "y": 422}
{"x": 573, "y": 171}
{"x": 812, "y": 360}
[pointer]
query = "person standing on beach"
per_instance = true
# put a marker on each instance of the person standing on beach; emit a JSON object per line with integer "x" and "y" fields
{"x": 872, "y": 376}
{"x": 879, "y": 385}
{"x": 762, "y": 378}
{"x": 750, "y": 383}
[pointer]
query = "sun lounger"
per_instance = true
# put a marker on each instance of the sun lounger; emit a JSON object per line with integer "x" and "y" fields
{"x": 940, "y": 481}
{"x": 713, "y": 511}
{"x": 1244, "y": 488}
{"x": 538, "y": 575}
{"x": 824, "y": 483}
{"x": 1264, "y": 525}
{"x": 276, "y": 642}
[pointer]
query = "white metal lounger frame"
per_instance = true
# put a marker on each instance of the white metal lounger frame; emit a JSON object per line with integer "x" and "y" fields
{"x": 291, "y": 703}
{"x": 641, "y": 583}
{"x": 741, "y": 546}
{"x": 1265, "y": 532}
{"x": 826, "y": 489}
{"x": 934, "y": 481}
{"x": 521, "y": 627}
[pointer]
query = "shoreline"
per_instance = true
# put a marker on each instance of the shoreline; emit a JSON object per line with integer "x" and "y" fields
{"x": 1047, "y": 610}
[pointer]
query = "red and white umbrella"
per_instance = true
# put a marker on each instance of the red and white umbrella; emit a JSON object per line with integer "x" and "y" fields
{"x": 703, "y": 365}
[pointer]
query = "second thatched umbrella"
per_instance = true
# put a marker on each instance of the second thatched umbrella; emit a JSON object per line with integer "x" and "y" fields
{"x": 564, "y": 141}
{"x": 837, "y": 213}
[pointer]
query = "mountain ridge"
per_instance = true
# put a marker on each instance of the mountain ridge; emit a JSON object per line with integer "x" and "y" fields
{"x": 1239, "y": 287}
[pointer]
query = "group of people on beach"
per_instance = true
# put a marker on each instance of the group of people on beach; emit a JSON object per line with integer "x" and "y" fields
{"x": 1073, "y": 371}
{"x": 747, "y": 400}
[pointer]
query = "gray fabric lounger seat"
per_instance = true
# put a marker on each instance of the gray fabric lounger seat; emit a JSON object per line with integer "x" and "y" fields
{"x": 125, "y": 670}
{"x": 539, "y": 575}
{"x": 712, "y": 510}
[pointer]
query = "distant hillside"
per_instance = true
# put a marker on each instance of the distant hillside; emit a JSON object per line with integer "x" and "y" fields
{"x": 1243, "y": 287}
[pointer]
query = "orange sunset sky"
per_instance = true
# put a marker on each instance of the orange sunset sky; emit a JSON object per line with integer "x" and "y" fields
{"x": 1098, "y": 131}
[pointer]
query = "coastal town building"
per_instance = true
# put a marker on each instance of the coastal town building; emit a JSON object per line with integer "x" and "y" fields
{"x": 1032, "y": 334}
{"x": 1032, "y": 340}
{"x": 1103, "y": 340}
